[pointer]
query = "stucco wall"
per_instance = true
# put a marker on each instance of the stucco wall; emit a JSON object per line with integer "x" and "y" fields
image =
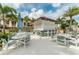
{"x": 44, "y": 25}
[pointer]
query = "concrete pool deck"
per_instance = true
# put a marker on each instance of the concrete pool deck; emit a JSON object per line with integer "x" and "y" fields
{"x": 43, "y": 47}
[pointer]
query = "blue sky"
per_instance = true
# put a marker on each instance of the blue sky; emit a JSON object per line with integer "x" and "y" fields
{"x": 36, "y": 10}
{"x": 46, "y": 7}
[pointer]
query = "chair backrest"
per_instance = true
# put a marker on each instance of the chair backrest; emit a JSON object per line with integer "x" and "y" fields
{"x": 27, "y": 37}
{"x": 10, "y": 36}
{"x": 60, "y": 37}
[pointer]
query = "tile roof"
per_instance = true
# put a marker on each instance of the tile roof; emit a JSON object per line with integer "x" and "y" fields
{"x": 48, "y": 19}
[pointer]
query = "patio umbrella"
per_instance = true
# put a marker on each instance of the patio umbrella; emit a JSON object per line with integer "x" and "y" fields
{"x": 20, "y": 23}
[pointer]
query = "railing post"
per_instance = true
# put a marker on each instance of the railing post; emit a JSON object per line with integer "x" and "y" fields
{"x": 51, "y": 33}
{"x": 48, "y": 33}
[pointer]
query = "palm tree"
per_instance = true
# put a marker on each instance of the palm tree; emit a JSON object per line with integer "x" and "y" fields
{"x": 60, "y": 20}
{"x": 12, "y": 17}
{"x": 63, "y": 23}
{"x": 4, "y": 10}
{"x": 71, "y": 12}
{"x": 25, "y": 21}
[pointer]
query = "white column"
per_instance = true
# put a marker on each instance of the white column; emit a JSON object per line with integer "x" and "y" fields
{"x": 10, "y": 24}
{"x": 65, "y": 41}
{"x": 2, "y": 22}
{"x": 40, "y": 33}
{"x": 51, "y": 33}
{"x": 16, "y": 24}
{"x": 25, "y": 43}
{"x": 76, "y": 43}
{"x": 54, "y": 31}
{"x": 48, "y": 33}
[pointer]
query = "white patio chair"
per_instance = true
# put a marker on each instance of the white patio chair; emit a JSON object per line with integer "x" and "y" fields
{"x": 75, "y": 41}
{"x": 25, "y": 40}
{"x": 10, "y": 44}
{"x": 54, "y": 38}
{"x": 61, "y": 40}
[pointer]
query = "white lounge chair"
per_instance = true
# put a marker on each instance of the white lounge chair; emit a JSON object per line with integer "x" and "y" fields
{"x": 75, "y": 41}
{"x": 10, "y": 44}
{"x": 21, "y": 38}
{"x": 61, "y": 39}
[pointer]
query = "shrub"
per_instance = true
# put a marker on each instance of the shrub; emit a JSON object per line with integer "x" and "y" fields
{"x": 5, "y": 36}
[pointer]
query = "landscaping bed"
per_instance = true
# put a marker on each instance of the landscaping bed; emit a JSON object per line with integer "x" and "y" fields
{"x": 4, "y": 38}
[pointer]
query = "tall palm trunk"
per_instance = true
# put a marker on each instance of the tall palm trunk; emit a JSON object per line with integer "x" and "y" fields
{"x": 3, "y": 24}
{"x": 70, "y": 22}
{"x": 12, "y": 27}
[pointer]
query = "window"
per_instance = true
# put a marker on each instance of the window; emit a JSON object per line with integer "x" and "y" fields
{"x": 24, "y": 24}
{"x": 44, "y": 33}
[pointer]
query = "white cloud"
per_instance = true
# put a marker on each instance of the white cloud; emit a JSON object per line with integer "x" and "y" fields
{"x": 59, "y": 12}
{"x": 14, "y": 5}
{"x": 24, "y": 13}
{"x": 56, "y": 4}
{"x": 33, "y": 9}
{"x": 53, "y": 15}
{"x": 32, "y": 15}
{"x": 40, "y": 13}
{"x": 36, "y": 14}
{"x": 50, "y": 14}
{"x": 17, "y": 5}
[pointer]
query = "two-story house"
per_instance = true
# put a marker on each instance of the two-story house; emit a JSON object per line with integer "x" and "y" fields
{"x": 45, "y": 26}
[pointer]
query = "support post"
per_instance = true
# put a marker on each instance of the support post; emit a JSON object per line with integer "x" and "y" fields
{"x": 76, "y": 44}
{"x": 51, "y": 33}
{"x": 48, "y": 33}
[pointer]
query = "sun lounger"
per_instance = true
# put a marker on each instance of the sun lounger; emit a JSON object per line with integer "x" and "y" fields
{"x": 75, "y": 41}
{"x": 23, "y": 38}
{"x": 63, "y": 39}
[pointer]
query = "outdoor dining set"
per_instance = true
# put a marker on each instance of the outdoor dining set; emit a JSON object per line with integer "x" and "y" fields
{"x": 18, "y": 39}
{"x": 67, "y": 39}
{"x": 21, "y": 39}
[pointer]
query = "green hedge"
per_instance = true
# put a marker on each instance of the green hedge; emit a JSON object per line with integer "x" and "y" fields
{"x": 4, "y": 36}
